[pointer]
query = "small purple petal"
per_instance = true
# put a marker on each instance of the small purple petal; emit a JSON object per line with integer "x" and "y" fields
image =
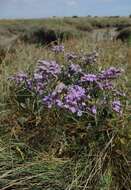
{"x": 116, "y": 106}
{"x": 94, "y": 110}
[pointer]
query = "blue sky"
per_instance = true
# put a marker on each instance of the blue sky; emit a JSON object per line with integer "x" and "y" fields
{"x": 47, "y": 8}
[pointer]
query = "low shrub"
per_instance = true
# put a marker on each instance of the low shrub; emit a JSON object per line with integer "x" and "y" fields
{"x": 39, "y": 35}
{"x": 95, "y": 144}
{"x": 68, "y": 100}
{"x": 84, "y": 26}
{"x": 124, "y": 34}
{"x": 75, "y": 16}
{"x": 43, "y": 35}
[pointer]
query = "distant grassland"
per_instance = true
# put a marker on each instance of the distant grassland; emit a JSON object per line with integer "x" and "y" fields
{"x": 46, "y": 31}
{"x": 96, "y": 22}
{"x": 58, "y": 25}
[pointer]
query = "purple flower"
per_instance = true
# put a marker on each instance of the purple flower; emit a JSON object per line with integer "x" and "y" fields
{"x": 39, "y": 87}
{"x": 48, "y": 101}
{"x": 71, "y": 98}
{"x": 58, "y": 48}
{"x": 59, "y": 103}
{"x": 94, "y": 110}
{"x": 47, "y": 68}
{"x": 89, "y": 78}
{"x": 44, "y": 71}
{"x": 74, "y": 100}
{"x": 110, "y": 73}
{"x": 116, "y": 106}
{"x": 38, "y": 76}
{"x": 75, "y": 68}
{"x": 54, "y": 98}
{"x": 18, "y": 78}
{"x": 29, "y": 84}
{"x": 75, "y": 92}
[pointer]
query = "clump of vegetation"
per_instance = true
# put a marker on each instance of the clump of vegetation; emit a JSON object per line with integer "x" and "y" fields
{"x": 69, "y": 80}
{"x": 75, "y": 16}
{"x": 124, "y": 34}
{"x": 77, "y": 109}
{"x": 44, "y": 35}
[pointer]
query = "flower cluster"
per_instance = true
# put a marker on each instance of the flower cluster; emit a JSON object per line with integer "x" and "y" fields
{"x": 74, "y": 68}
{"x": 90, "y": 58}
{"x": 68, "y": 97}
{"x": 57, "y": 48}
{"x": 110, "y": 73}
{"x": 44, "y": 70}
{"x": 116, "y": 106}
{"x": 47, "y": 68}
{"x": 82, "y": 94}
{"x": 89, "y": 78}
{"x": 19, "y": 77}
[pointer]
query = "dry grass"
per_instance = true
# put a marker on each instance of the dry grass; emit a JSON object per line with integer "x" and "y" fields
{"x": 24, "y": 166}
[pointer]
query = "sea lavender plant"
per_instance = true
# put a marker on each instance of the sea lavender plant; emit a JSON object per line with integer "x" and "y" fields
{"x": 75, "y": 88}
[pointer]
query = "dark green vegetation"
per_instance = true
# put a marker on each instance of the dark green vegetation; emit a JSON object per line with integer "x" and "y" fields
{"x": 37, "y": 157}
{"x": 125, "y": 34}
